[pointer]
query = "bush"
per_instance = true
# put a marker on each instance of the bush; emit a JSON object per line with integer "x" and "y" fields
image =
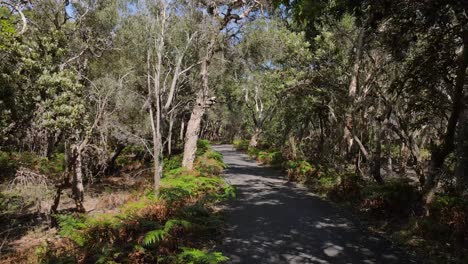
{"x": 394, "y": 198}
{"x": 210, "y": 163}
{"x": 193, "y": 256}
{"x": 241, "y": 144}
{"x": 152, "y": 229}
{"x": 253, "y": 152}
{"x": 273, "y": 158}
{"x": 202, "y": 146}
{"x": 300, "y": 171}
{"x": 347, "y": 187}
{"x": 172, "y": 162}
{"x": 7, "y": 164}
{"x": 448, "y": 218}
{"x": 11, "y": 161}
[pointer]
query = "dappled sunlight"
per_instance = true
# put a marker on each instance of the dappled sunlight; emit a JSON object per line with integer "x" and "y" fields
{"x": 274, "y": 221}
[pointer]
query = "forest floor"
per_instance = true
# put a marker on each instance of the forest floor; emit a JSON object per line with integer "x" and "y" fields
{"x": 276, "y": 221}
{"x": 27, "y": 224}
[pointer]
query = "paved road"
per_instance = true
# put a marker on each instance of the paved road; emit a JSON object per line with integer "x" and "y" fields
{"x": 272, "y": 221}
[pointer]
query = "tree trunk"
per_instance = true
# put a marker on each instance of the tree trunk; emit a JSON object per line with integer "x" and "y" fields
{"x": 292, "y": 143}
{"x": 203, "y": 101}
{"x": 254, "y": 139}
{"x": 110, "y": 166}
{"x": 461, "y": 170}
{"x": 193, "y": 129}
{"x": 169, "y": 136}
{"x": 376, "y": 159}
{"x": 182, "y": 130}
{"x": 440, "y": 153}
{"x": 352, "y": 90}
{"x": 404, "y": 155}
{"x": 77, "y": 182}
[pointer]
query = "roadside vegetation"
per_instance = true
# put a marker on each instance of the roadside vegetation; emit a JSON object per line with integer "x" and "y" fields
{"x": 180, "y": 225}
{"x": 395, "y": 209}
{"x": 105, "y": 107}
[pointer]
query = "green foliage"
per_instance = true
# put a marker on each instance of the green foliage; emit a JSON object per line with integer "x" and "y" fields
{"x": 210, "y": 163}
{"x": 299, "y": 171}
{"x": 196, "y": 256}
{"x": 11, "y": 203}
{"x": 158, "y": 235}
{"x": 202, "y": 146}
{"x": 394, "y": 198}
{"x": 273, "y": 158}
{"x": 253, "y": 152}
{"x": 241, "y": 144}
{"x": 11, "y": 161}
{"x": 448, "y": 218}
{"x": 7, "y": 164}
{"x": 7, "y": 28}
{"x": 182, "y": 206}
{"x": 186, "y": 185}
{"x": 71, "y": 227}
{"x": 64, "y": 109}
{"x": 172, "y": 162}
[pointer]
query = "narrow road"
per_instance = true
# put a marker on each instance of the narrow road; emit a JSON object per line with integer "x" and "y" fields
{"x": 272, "y": 221}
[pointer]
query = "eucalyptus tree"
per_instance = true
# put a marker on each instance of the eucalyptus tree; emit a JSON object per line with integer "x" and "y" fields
{"x": 218, "y": 18}
{"x": 274, "y": 60}
{"x": 46, "y": 84}
{"x": 170, "y": 38}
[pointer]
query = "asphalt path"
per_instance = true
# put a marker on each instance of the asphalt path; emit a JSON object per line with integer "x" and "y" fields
{"x": 275, "y": 221}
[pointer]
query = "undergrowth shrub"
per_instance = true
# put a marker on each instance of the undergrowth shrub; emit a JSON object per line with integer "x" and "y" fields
{"x": 10, "y": 162}
{"x": 172, "y": 162}
{"x": 394, "y": 198}
{"x": 192, "y": 256}
{"x": 11, "y": 203}
{"x": 447, "y": 219}
{"x": 241, "y": 144}
{"x": 150, "y": 229}
{"x": 273, "y": 158}
{"x": 202, "y": 146}
{"x": 253, "y": 152}
{"x": 210, "y": 163}
{"x": 299, "y": 171}
{"x": 131, "y": 157}
{"x": 347, "y": 187}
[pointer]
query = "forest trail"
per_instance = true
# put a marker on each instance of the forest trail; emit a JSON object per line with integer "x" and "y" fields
{"x": 273, "y": 221}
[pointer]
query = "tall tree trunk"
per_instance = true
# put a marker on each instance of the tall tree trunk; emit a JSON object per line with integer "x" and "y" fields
{"x": 182, "y": 130}
{"x": 77, "y": 182}
{"x": 202, "y": 102}
{"x": 169, "y": 136}
{"x": 352, "y": 90}
{"x": 440, "y": 153}
{"x": 254, "y": 139}
{"x": 292, "y": 143}
{"x": 193, "y": 129}
{"x": 461, "y": 170}
{"x": 376, "y": 163}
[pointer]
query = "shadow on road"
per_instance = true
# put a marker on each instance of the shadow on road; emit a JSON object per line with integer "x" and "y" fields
{"x": 272, "y": 221}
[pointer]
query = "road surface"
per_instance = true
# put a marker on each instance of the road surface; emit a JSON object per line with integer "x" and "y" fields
{"x": 273, "y": 221}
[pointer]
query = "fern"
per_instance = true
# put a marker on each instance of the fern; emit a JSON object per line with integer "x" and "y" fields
{"x": 71, "y": 227}
{"x": 196, "y": 256}
{"x": 154, "y": 236}
{"x": 158, "y": 235}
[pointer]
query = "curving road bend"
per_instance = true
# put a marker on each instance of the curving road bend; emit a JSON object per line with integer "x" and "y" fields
{"x": 273, "y": 221}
